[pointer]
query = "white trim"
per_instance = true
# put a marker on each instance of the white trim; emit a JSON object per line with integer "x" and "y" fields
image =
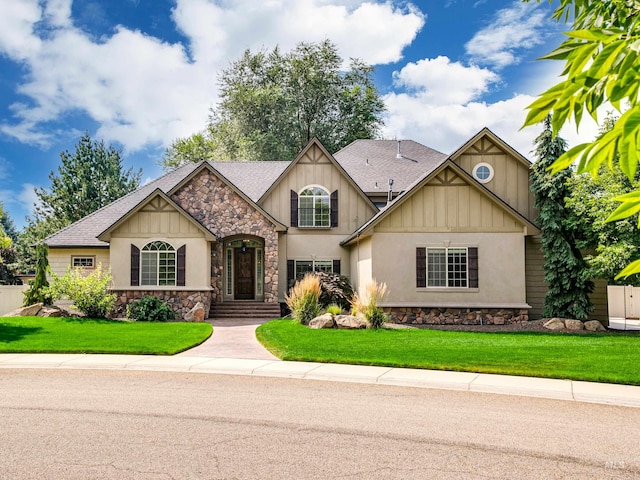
{"x": 483, "y": 180}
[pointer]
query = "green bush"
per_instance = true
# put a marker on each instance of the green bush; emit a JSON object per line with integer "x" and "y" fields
{"x": 366, "y": 303}
{"x": 303, "y": 297}
{"x": 150, "y": 309}
{"x": 88, "y": 292}
{"x": 334, "y": 309}
{"x": 334, "y": 288}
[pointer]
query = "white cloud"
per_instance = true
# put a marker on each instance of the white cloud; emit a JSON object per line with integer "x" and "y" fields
{"x": 439, "y": 81}
{"x": 143, "y": 91}
{"x": 513, "y": 29}
{"x": 27, "y": 197}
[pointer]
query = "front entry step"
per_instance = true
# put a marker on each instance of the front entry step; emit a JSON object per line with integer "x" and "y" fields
{"x": 245, "y": 309}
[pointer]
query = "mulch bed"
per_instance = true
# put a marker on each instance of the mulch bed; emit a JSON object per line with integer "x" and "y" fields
{"x": 531, "y": 326}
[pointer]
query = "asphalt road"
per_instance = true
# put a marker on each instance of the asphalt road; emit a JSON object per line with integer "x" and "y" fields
{"x": 75, "y": 424}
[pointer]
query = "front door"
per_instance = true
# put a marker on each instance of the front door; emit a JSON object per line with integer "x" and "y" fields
{"x": 245, "y": 273}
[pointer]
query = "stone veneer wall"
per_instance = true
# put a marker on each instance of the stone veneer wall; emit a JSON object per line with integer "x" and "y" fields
{"x": 182, "y": 301}
{"x": 456, "y": 316}
{"x": 225, "y": 213}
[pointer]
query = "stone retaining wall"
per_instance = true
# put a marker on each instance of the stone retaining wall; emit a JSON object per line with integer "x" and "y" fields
{"x": 456, "y": 316}
{"x": 182, "y": 301}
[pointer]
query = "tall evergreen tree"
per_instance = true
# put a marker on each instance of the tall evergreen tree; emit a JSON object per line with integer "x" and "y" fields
{"x": 565, "y": 271}
{"x": 88, "y": 178}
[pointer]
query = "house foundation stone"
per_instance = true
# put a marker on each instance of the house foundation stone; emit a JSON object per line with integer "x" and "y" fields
{"x": 456, "y": 316}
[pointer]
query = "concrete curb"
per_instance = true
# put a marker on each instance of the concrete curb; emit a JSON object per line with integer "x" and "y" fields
{"x": 611, "y": 394}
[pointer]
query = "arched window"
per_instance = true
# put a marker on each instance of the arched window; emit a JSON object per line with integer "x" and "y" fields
{"x": 314, "y": 207}
{"x": 158, "y": 264}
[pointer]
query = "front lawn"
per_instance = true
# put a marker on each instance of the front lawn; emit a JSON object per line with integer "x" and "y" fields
{"x": 592, "y": 357}
{"x": 74, "y": 335}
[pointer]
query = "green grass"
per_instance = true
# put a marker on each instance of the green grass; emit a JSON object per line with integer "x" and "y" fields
{"x": 589, "y": 357}
{"x": 73, "y": 335}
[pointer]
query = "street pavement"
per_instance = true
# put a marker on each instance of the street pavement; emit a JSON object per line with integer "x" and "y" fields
{"x": 234, "y": 350}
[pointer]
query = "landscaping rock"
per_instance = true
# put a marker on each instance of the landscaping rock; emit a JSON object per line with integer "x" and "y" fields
{"x": 30, "y": 311}
{"x": 594, "y": 326}
{"x": 50, "y": 312}
{"x": 349, "y": 322}
{"x": 323, "y": 321}
{"x": 555, "y": 324}
{"x": 573, "y": 324}
{"x": 196, "y": 314}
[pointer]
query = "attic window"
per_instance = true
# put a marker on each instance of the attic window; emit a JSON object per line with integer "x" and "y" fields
{"x": 483, "y": 172}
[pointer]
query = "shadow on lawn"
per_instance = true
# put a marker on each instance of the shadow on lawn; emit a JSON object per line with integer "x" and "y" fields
{"x": 14, "y": 333}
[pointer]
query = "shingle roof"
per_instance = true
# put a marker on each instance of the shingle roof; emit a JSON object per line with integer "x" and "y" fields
{"x": 255, "y": 178}
{"x": 371, "y": 162}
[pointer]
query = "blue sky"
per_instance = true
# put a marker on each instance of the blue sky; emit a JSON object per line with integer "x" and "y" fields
{"x": 140, "y": 73}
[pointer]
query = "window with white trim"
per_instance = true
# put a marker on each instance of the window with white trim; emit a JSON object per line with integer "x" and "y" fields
{"x": 158, "y": 264}
{"x": 447, "y": 267}
{"x": 483, "y": 172}
{"x": 314, "y": 207}
{"x": 83, "y": 262}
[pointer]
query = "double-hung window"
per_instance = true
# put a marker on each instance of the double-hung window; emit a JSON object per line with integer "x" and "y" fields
{"x": 447, "y": 267}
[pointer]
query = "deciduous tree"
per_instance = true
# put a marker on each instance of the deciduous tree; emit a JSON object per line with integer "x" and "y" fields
{"x": 272, "y": 104}
{"x": 602, "y": 64}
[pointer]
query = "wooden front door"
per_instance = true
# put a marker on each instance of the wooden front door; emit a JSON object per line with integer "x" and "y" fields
{"x": 245, "y": 273}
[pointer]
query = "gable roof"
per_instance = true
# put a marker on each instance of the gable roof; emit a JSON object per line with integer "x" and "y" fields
{"x": 501, "y": 144}
{"x": 315, "y": 142}
{"x": 84, "y": 232}
{"x": 374, "y": 162}
{"x": 249, "y": 176}
{"x": 421, "y": 182}
{"x": 105, "y": 235}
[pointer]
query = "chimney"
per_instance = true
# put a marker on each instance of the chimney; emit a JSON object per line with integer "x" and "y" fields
{"x": 399, "y": 154}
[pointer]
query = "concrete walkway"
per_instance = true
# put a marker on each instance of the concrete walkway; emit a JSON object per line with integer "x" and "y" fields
{"x": 232, "y": 338}
{"x": 233, "y": 349}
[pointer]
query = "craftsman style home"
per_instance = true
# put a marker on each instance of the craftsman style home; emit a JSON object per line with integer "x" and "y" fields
{"x": 452, "y": 236}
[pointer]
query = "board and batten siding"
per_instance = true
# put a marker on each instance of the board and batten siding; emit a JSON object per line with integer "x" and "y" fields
{"x": 511, "y": 176}
{"x": 157, "y": 218}
{"x": 314, "y": 168}
{"x": 449, "y": 203}
{"x": 537, "y": 287}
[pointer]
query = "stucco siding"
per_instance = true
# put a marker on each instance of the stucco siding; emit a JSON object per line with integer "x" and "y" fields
{"x": 60, "y": 258}
{"x": 197, "y": 268}
{"x": 314, "y": 168}
{"x": 361, "y": 263}
{"x": 501, "y": 264}
{"x": 511, "y": 176}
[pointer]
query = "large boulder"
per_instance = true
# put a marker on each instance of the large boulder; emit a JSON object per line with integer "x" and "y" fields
{"x": 349, "y": 322}
{"x": 555, "y": 324}
{"x": 323, "y": 321}
{"x": 30, "y": 311}
{"x": 594, "y": 326}
{"x": 196, "y": 314}
{"x": 571, "y": 324}
{"x": 50, "y": 312}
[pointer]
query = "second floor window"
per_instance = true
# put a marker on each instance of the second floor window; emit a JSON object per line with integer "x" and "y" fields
{"x": 314, "y": 207}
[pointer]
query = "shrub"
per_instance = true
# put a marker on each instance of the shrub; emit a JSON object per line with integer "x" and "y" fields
{"x": 366, "y": 303}
{"x": 38, "y": 291}
{"x": 88, "y": 292}
{"x": 303, "y": 297}
{"x": 334, "y": 288}
{"x": 151, "y": 309}
{"x": 334, "y": 309}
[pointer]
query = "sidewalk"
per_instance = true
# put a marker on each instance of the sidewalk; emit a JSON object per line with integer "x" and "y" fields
{"x": 622, "y": 395}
